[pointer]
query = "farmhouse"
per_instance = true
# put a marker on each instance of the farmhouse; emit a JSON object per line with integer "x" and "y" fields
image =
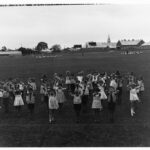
{"x": 145, "y": 46}
{"x": 127, "y": 44}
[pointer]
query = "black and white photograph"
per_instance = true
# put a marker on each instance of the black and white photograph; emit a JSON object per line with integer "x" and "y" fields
{"x": 74, "y": 73}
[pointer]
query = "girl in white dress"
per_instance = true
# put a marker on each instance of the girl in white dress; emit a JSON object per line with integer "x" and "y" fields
{"x": 96, "y": 105}
{"x": 133, "y": 98}
{"x": 53, "y": 105}
{"x": 60, "y": 96}
{"x": 18, "y": 102}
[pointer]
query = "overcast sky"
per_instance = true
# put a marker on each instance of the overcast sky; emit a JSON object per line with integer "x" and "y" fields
{"x": 68, "y": 25}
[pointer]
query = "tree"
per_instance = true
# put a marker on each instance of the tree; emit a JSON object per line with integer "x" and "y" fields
{"x": 56, "y": 48}
{"x": 41, "y": 46}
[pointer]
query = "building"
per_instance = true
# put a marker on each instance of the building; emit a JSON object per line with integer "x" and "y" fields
{"x": 102, "y": 45}
{"x": 129, "y": 44}
{"x": 145, "y": 46}
{"x": 77, "y": 46}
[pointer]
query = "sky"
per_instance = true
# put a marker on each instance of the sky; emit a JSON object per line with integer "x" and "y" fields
{"x": 69, "y": 25}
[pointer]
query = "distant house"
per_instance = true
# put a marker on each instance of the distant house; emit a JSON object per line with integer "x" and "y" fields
{"x": 76, "y": 47}
{"x": 129, "y": 44}
{"x": 145, "y": 46}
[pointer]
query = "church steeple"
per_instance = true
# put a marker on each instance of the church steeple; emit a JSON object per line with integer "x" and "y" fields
{"x": 108, "y": 39}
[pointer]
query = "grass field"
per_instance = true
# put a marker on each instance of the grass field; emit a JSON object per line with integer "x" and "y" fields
{"x": 126, "y": 131}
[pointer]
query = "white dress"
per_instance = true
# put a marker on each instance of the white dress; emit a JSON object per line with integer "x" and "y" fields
{"x": 102, "y": 92}
{"x": 60, "y": 96}
{"x": 53, "y": 103}
{"x": 96, "y": 102}
{"x": 18, "y": 100}
{"x": 133, "y": 95}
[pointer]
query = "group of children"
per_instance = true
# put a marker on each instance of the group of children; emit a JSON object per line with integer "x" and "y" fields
{"x": 17, "y": 92}
{"x": 94, "y": 88}
{"x": 87, "y": 91}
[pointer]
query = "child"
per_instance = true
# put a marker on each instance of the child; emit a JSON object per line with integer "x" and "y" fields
{"x": 101, "y": 87}
{"x": 112, "y": 102}
{"x": 113, "y": 83}
{"x": 72, "y": 85}
{"x": 80, "y": 76}
{"x": 18, "y": 102}
{"x": 68, "y": 82}
{"x": 85, "y": 97}
{"x": 119, "y": 88}
{"x": 6, "y": 99}
{"x": 77, "y": 104}
{"x": 42, "y": 91}
{"x": 53, "y": 105}
{"x": 102, "y": 91}
{"x": 30, "y": 99}
{"x": 133, "y": 97}
{"x": 60, "y": 96}
{"x": 96, "y": 105}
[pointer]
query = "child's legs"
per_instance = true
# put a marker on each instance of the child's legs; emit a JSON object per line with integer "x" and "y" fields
{"x": 31, "y": 108}
{"x": 77, "y": 108}
{"x": 60, "y": 105}
{"x": 19, "y": 108}
{"x": 96, "y": 113}
{"x": 7, "y": 104}
{"x": 133, "y": 105}
{"x": 50, "y": 114}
